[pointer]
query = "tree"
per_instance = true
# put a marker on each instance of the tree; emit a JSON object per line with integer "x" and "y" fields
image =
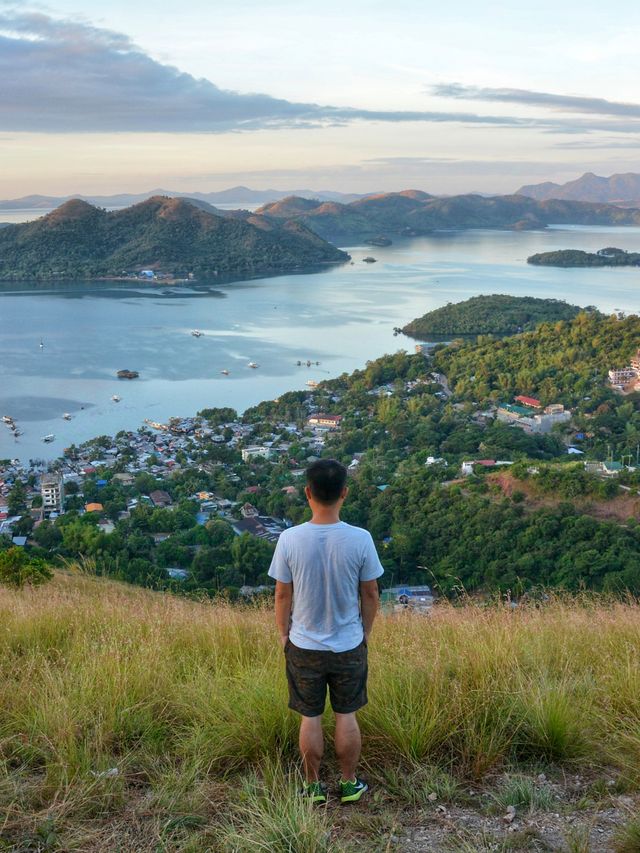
{"x": 17, "y": 498}
{"x": 18, "y": 569}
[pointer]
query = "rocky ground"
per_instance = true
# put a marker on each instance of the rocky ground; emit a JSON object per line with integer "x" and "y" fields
{"x": 511, "y": 812}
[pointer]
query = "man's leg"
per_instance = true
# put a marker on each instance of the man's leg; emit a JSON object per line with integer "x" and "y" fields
{"x": 348, "y": 744}
{"x": 311, "y": 746}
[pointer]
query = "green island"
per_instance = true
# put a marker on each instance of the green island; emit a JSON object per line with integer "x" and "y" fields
{"x": 490, "y": 315}
{"x": 608, "y": 257}
{"x": 143, "y": 697}
{"x": 169, "y": 238}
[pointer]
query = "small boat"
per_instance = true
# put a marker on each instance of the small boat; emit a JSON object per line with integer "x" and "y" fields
{"x": 368, "y": 260}
{"x": 127, "y": 374}
{"x": 224, "y": 372}
{"x": 308, "y": 362}
{"x": 197, "y": 333}
{"x": 115, "y": 398}
{"x": 299, "y": 363}
{"x": 7, "y": 419}
{"x": 48, "y": 438}
{"x": 66, "y": 416}
{"x": 253, "y": 364}
{"x": 41, "y": 344}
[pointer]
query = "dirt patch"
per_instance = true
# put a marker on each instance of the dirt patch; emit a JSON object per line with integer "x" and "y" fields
{"x": 620, "y": 508}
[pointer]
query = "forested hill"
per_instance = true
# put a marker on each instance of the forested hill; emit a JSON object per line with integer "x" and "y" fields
{"x": 171, "y": 235}
{"x": 486, "y": 315}
{"x": 562, "y": 362}
{"x": 413, "y": 212}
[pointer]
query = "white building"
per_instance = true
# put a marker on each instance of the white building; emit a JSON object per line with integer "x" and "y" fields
{"x": 52, "y": 491}
{"x": 256, "y": 450}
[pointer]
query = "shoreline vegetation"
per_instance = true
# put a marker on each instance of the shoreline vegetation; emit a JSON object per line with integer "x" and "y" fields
{"x": 140, "y": 721}
{"x": 491, "y": 315}
{"x": 608, "y": 257}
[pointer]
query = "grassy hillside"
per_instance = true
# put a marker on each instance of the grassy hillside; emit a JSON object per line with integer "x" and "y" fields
{"x": 135, "y": 721}
{"x": 486, "y": 315}
{"x": 170, "y": 235}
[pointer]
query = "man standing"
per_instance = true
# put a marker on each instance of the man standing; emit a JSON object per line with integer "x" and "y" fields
{"x": 326, "y": 600}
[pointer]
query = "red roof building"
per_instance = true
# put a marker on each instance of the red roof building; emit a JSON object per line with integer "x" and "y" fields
{"x": 529, "y": 401}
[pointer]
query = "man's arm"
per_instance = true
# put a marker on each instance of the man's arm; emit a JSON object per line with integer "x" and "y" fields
{"x": 284, "y": 597}
{"x": 368, "y": 605}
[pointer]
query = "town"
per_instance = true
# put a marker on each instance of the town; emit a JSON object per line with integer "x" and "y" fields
{"x": 199, "y": 502}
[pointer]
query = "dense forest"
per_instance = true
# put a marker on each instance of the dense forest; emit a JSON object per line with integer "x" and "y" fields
{"x": 486, "y": 315}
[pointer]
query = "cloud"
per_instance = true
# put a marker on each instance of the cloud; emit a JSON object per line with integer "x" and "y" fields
{"x": 61, "y": 75}
{"x": 528, "y": 97}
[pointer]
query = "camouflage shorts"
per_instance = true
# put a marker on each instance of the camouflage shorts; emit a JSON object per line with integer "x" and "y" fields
{"x": 309, "y": 673}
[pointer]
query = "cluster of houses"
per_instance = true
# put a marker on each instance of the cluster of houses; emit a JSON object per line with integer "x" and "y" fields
{"x": 163, "y": 450}
{"x": 626, "y": 378}
{"x": 530, "y": 415}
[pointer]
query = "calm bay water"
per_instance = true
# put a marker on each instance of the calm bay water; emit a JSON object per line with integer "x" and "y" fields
{"x": 341, "y": 317}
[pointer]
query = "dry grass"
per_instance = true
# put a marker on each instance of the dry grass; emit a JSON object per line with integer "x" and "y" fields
{"x": 188, "y": 702}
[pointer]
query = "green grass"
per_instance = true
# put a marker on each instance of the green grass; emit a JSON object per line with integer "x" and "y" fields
{"x": 188, "y": 701}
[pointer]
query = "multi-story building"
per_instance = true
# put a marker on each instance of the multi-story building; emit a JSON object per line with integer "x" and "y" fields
{"x": 52, "y": 491}
{"x": 635, "y": 362}
{"x": 623, "y": 375}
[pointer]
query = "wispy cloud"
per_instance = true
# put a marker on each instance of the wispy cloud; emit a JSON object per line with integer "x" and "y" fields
{"x": 531, "y": 98}
{"x": 61, "y": 75}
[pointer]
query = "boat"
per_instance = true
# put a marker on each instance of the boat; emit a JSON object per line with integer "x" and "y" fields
{"x": 197, "y": 333}
{"x": 253, "y": 364}
{"x": 41, "y": 344}
{"x": 224, "y": 372}
{"x": 48, "y": 438}
{"x": 299, "y": 363}
{"x": 66, "y": 416}
{"x": 127, "y": 374}
{"x": 7, "y": 419}
{"x": 368, "y": 260}
{"x": 308, "y": 362}
{"x": 115, "y": 398}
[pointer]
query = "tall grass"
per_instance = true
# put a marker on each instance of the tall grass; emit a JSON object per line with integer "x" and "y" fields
{"x": 188, "y": 702}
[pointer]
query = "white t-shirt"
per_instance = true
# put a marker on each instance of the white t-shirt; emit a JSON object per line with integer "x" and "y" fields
{"x": 326, "y": 563}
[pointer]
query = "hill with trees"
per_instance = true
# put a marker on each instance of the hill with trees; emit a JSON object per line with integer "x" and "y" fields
{"x": 411, "y": 213}
{"x": 609, "y": 257}
{"x": 490, "y": 315}
{"x": 174, "y": 236}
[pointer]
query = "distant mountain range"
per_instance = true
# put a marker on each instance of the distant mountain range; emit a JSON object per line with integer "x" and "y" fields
{"x": 622, "y": 189}
{"x": 172, "y": 235}
{"x": 234, "y": 195}
{"x": 412, "y": 212}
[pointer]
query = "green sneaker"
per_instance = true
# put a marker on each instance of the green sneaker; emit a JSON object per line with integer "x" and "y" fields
{"x": 316, "y": 791}
{"x": 350, "y": 792}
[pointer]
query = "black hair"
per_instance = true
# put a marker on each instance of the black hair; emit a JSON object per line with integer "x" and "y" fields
{"x": 326, "y": 479}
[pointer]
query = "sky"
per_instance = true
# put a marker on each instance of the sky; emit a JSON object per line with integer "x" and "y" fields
{"x": 349, "y": 95}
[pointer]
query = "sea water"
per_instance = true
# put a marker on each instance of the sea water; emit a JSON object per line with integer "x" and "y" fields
{"x": 341, "y": 317}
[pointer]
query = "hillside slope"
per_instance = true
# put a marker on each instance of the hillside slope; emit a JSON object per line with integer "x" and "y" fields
{"x": 140, "y": 722}
{"x": 622, "y": 189}
{"x": 412, "y": 213}
{"x": 171, "y": 235}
